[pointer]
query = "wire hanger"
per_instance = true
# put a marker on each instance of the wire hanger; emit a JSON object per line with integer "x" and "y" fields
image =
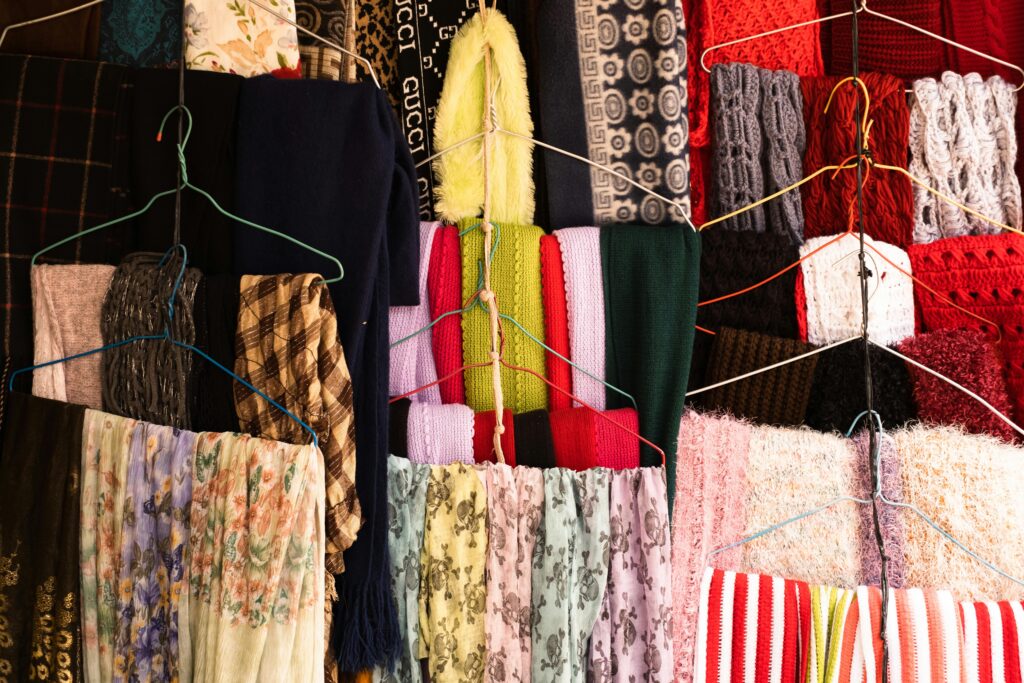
{"x": 48, "y": 17}
{"x": 166, "y": 336}
{"x": 186, "y": 184}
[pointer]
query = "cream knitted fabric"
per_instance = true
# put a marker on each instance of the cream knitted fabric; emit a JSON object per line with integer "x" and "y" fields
{"x": 584, "y": 296}
{"x": 412, "y": 362}
{"x": 67, "y": 301}
{"x": 832, "y": 291}
{"x": 440, "y": 435}
{"x": 964, "y": 145}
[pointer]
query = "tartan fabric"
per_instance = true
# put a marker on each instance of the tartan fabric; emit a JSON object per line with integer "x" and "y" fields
{"x": 61, "y": 123}
{"x": 287, "y": 347}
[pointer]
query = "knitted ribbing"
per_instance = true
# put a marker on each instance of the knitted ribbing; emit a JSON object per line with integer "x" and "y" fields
{"x": 617, "y": 449}
{"x": 440, "y": 435}
{"x": 965, "y": 357}
{"x": 962, "y": 144}
{"x": 483, "y": 437}
{"x": 584, "y": 294}
{"x": 515, "y": 279}
{"x": 831, "y": 138}
{"x": 831, "y": 291}
{"x": 758, "y": 147}
{"x": 444, "y": 288}
{"x": 573, "y": 434}
{"x": 775, "y": 397}
{"x": 556, "y": 323}
{"x": 534, "y": 444}
{"x": 412, "y": 361}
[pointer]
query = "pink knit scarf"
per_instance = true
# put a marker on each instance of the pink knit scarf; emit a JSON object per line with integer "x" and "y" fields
{"x": 440, "y": 435}
{"x": 584, "y": 295}
{"x": 412, "y": 361}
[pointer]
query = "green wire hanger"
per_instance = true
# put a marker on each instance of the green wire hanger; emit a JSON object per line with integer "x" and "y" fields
{"x": 187, "y": 185}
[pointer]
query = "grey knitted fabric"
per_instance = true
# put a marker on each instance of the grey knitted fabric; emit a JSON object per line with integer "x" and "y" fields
{"x": 758, "y": 142}
{"x": 148, "y": 380}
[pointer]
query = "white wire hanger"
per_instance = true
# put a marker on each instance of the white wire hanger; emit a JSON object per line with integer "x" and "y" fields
{"x": 48, "y": 17}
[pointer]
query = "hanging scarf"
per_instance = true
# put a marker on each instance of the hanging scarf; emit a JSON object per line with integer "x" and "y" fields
{"x": 66, "y": 307}
{"x": 890, "y": 518}
{"x": 530, "y": 494}
{"x": 483, "y": 437}
{"x": 241, "y": 38}
{"x": 40, "y": 621}
{"x": 444, "y": 286}
{"x": 992, "y": 640}
{"x": 584, "y": 295}
{"x": 440, "y": 435}
{"x": 453, "y": 594}
{"x": 141, "y": 35}
{"x": 828, "y": 609}
{"x": 265, "y": 499}
{"x": 334, "y": 20}
{"x": 412, "y": 361}
{"x": 632, "y": 638}
{"x": 556, "y": 323}
{"x": 461, "y": 184}
{"x": 535, "y": 446}
{"x": 217, "y": 303}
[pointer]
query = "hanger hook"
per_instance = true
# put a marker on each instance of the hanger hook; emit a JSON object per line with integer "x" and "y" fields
{"x": 864, "y": 413}
{"x": 188, "y": 127}
{"x": 865, "y": 125}
{"x": 177, "y": 280}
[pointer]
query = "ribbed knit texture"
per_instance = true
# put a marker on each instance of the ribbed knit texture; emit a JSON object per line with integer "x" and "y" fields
{"x": 831, "y": 138}
{"x": 963, "y": 144}
{"x": 831, "y": 291}
{"x": 556, "y": 322}
{"x": 516, "y": 281}
{"x": 440, "y": 435}
{"x": 584, "y": 293}
{"x": 758, "y": 148}
{"x": 985, "y": 275}
{"x": 535, "y": 446}
{"x": 412, "y": 361}
{"x": 483, "y": 437}
{"x": 965, "y": 357}
{"x": 775, "y": 397}
{"x": 574, "y": 436}
{"x": 617, "y": 449}
{"x": 444, "y": 288}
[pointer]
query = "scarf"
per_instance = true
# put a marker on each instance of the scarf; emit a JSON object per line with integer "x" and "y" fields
{"x": 570, "y": 572}
{"x": 611, "y": 83}
{"x": 650, "y": 290}
{"x": 617, "y": 449}
{"x": 632, "y": 638}
{"x": 149, "y": 380}
{"x": 66, "y": 307}
{"x": 412, "y": 361}
{"x": 516, "y": 281}
{"x": 398, "y": 428}
{"x": 287, "y": 347}
{"x": 240, "y": 38}
{"x": 758, "y": 147}
{"x": 991, "y": 645}
{"x": 890, "y": 518}
{"x": 556, "y": 323}
{"x": 40, "y": 589}
{"x": 440, "y": 435}
{"x": 74, "y": 36}
{"x": 460, "y": 184}
{"x": 453, "y": 593}
{"x": 140, "y": 36}
{"x": 535, "y": 446}
{"x": 216, "y": 316}
{"x": 334, "y": 20}
{"x": 483, "y": 437}
{"x": 962, "y": 144}
{"x": 530, "y": 494}
{"x": 574, "y": 437}
{"x": 966, "y": 357}
{"x": 584, "y": 294}
{"x": 444, "y": 287}
{"x": 325, "y": 125}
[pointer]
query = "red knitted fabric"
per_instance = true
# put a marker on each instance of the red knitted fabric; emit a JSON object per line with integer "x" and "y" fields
{"x": 966, "y": 357}
{"x": 985, "y": 275}
{"x": 709, "y": 22}
{"x": 444, "y": 287}
{"x": 831, "y": 138}
{"x": 556, "y": 321}
{"x": 617, "y": 449}
{"x": 483, "y": 437}
{"x": 573, "y": 434}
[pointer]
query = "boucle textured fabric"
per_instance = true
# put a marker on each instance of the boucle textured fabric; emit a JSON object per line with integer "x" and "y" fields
{"x": 757, "y": 148}
{"x": 556, "y": 323}
{"x": 483, "y": 438}
{"x": 617, "y": 449}
{"x": 985, "y": 275}
{"x": 970, "y": 486}
{"x": 963, "y": 144}
{"x": 67, "y": 303}
{"x": 965, "y": 357}
{"x": 574, "y": 436}
{"x": 889, "y": 518}
{"x": 535, "y": 446}
{"x": 776, "y": 397}
{"x": 412, "y": 361}
{"x": 632, "y": 637}
{"x": 444, "y": 289}
{"x": 584, "y": 294}
{"x": 992, "y": 634}
{"x": 440, "y": 435}
{"x": 516, "y": 281}
{"x": 829, "y": 286}
{"x": 831, "y": 138}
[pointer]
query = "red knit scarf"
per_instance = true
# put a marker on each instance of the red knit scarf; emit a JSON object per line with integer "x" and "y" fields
{"x": 444, "y": 287}
{"x": 556, "y": 322}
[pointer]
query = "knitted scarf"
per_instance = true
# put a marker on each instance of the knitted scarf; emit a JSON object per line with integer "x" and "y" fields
{"x": 889, "y": 518}
{"x": 440, "y": 435}
{"x": 40, "y": 585}
{"x": 556, "y": 323}
{"x": 535, "y": 446}
{"x": 584, "y": 294}
{"x": 444, "y": 287}
{"x": 991, "y": 645}
{"x": 650, "y": 290}
{"x": 412, "y": 361}
{"x": 583, "y": 439}
{"x": 67, "y": 303}
{"x": 758, "y": 148}
{"x": 398, "y": 428}
{"x": 216, "y": 315}
{"x": 617, "y": 449}
{"x": 483, "y": 437}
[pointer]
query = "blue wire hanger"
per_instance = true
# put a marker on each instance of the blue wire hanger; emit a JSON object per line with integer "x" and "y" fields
{"x": 187, "y": 185}
{"x": 166, "y": 336}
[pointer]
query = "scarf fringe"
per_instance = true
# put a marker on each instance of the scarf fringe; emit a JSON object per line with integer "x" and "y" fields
{"x": 366, "y": 633}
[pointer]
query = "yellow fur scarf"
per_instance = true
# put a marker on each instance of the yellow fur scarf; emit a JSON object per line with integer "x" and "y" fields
{"x": 460, "y": 191}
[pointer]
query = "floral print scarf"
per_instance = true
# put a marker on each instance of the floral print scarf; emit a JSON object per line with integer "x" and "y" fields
{"x": 236, "y": 36}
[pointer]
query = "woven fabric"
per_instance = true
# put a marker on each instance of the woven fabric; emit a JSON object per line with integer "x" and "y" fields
{"x": 444, "y": 288}
{"x": 985, "y": 275}
{"x": 556, "y": 323}
{"x": 574, "y": 437}
{"x": 530, "y": 490}
{"x": 320, "y": 62}
{"x": 584, "y": 294}
{"x": 483, "y": 437}
{"x": 140, "y": 35}
{"x": 440, "y": 435}
{"x": 240, "y": 38}
{"x": 287, "y": 347}
{"x": 334, "y": 20}
{"x": 967, "y": 358}
{"x": 617, "y": 449}
{"x": 516, "y": 282}
{"x": 535, "y": 445}
{"x": 831, "y": 138}
{"x": 776, "y": 397}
